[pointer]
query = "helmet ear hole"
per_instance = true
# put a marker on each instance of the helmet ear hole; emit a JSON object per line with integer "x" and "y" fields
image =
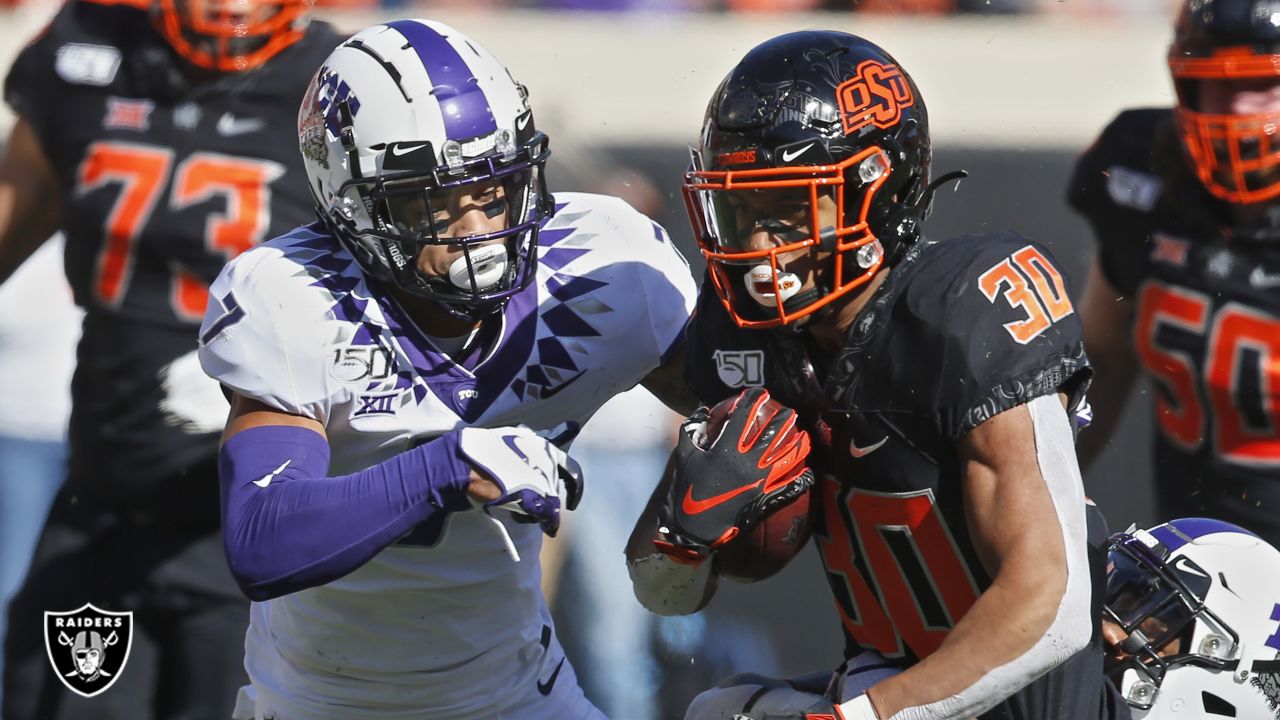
{"x": 1216, "y": 706}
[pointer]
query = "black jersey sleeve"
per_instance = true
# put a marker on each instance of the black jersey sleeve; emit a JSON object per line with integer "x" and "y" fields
{"x": 81, "y": 50}
{"x": 1116, "y": 187}
{"x": 987, "y": 320}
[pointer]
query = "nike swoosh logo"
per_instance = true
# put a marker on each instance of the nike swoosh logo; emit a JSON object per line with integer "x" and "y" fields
{"x": 545, "y": 688}
{"x": 399, "y": 150}
{"x": 523, "y": 120}
{"x": 1260, "y": 278}
{"x": 856, "y": 451}
{"x": 229, "y": 124}
{"x": 694, "y": 507}
{"x": 266, "y": 479}
{"x": 789, "y": 155}
{"x": 552, "y": 392}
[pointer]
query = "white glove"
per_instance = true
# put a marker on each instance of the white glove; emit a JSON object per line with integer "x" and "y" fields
{"x": 536, "y": 477}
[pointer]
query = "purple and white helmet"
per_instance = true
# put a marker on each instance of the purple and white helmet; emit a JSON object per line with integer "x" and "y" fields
{"x": 400, "y": 114}
{"x": 1214, "y": 589}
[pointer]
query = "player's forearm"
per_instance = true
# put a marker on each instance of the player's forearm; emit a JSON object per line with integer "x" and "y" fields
{"x": 1020, "y": 628}
{"x": 666, "y": 586}
{"x": 663, "y": 584}
{"x": 288, "y": 526}
{"x": 1028, "y": 524}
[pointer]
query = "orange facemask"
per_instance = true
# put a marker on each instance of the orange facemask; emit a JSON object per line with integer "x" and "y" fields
{"x": 725, "y": 209}
{"x": 230, "y": 35}
{"x": 1235, "y": 156}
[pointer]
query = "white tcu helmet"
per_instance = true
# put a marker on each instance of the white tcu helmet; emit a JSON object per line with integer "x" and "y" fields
{"x": 1212, "y": 587}
{"x": 396, "y": 117}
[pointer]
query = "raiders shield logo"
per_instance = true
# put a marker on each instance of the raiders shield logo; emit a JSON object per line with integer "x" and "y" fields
{"x": 88, "y": 648}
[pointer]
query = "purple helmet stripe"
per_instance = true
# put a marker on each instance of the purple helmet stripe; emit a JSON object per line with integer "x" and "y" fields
{"x": 463, "y": 105}
{"x": 1189, "y": 529}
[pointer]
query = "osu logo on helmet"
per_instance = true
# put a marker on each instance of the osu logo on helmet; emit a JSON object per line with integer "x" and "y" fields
{"x": 876, "y": 96}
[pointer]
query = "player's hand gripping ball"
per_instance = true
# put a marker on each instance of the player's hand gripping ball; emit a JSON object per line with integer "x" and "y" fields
{"x": 738, "y": 488}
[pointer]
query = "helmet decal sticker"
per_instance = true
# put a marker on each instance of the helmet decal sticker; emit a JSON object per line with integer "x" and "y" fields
{"x": 875, "y": 95}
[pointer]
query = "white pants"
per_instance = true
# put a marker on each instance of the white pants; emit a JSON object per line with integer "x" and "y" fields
{"x": 761, "y": 694}
{"x": 564, "y": 701}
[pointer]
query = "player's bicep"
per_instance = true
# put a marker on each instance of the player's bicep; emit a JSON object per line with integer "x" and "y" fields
{"x": 249, "y": 413}
{"x": 1009, "y": 502}
{"x": 667, "y": 383}
{"x": 29, "y": 207}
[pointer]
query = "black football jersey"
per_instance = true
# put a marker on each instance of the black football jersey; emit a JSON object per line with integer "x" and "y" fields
{"x": 959, "y": 331}
{"x": 1207, "y": 323}
{"x": 161, "y": 181}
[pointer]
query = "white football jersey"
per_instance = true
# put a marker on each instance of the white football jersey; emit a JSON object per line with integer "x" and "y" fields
{"x": 441, "y": 624}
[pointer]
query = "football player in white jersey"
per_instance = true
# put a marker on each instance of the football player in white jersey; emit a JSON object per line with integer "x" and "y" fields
{"x": 405, "y": 374}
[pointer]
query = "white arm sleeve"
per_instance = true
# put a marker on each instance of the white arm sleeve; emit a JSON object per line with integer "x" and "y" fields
{"x": 1072, "y": 625}
{"x": 667, "y": 587}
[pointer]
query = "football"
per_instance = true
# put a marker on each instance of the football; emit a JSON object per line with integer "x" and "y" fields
{"x": 765, "y": 548}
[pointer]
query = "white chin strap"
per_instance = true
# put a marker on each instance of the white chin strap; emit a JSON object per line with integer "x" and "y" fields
{"x": 488, "y": 262}
{"x": 760, "y": 285}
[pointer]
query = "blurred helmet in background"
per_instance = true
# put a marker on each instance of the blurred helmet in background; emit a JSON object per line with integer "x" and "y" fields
{"x": 230, "y": 35}
{"x": 1230, "y": 44}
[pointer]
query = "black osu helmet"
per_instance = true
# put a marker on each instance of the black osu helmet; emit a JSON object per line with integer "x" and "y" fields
{"x": 1236, "y": 157}
{"x": 809, "y": 125}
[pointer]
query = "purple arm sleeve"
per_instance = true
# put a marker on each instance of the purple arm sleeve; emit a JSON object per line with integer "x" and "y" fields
{"x": 287, "y": 527}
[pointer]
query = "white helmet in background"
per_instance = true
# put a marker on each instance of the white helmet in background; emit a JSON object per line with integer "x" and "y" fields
{"x": 397, "y": 117}
{"x": 1199, "y": 602}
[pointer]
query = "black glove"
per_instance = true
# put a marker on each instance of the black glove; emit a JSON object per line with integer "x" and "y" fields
{"x": 723, "y": 485}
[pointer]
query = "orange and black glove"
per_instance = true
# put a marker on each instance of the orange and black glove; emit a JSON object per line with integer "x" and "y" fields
{"x": 725, "y": 479}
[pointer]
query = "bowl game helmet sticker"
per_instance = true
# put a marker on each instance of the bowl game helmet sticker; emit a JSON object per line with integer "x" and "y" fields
{"x": 88, "y": 648}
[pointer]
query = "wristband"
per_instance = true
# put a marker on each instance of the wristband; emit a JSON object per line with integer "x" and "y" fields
{"x": 859, "y": 708}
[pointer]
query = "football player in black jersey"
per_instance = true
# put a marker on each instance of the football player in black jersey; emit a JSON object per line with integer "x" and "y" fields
{"x": 160, "y": 139}
{"x": 937, "y": 381}
{"x": 1185, "y": 286}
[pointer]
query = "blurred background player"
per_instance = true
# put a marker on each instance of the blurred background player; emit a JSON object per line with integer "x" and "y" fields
{"x": 932, "y": 377}
{"x": 406, "y": 372}
{"x": 37, "y": 354}
{"x": 1185, "y": 285}
{"x": 157, "y": 138}
{"x": 1191, "y": 621}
